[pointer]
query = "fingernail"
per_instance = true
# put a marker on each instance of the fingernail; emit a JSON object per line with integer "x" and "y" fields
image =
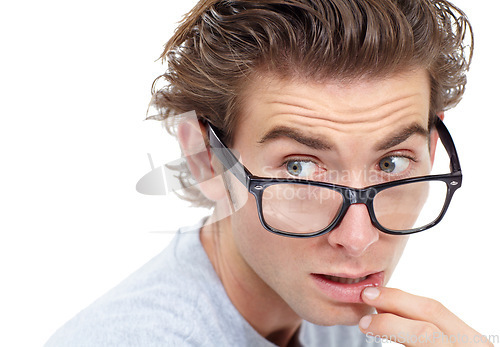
{"x": 371, "y": 293}
{"x": 364, "y": 322}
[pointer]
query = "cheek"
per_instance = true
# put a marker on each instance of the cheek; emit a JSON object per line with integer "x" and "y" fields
{"x": 394, "y": 245}
{"x": 266, "y": 253}
{"x": 254, "y": 242}
{"x": 248, "y": 232}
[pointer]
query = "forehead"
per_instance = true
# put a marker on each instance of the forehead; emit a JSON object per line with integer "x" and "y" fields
{"x": 364, "y": 108}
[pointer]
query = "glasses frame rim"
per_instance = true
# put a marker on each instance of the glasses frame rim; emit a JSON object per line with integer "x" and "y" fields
{"x": 256, "y": 185}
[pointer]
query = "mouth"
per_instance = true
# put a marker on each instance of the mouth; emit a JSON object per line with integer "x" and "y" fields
{"x": 347, "y": 288}
{"x": 344, "y": 280}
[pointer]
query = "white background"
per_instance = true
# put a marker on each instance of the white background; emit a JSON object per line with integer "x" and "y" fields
{"x": 75, "y": 83}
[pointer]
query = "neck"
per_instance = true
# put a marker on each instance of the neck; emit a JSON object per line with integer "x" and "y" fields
{"x": 259, "y": 304}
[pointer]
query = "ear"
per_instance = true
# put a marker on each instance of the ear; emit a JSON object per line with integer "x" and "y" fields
{"x": 434, "y": 138}
{"x": 191, "y": 137}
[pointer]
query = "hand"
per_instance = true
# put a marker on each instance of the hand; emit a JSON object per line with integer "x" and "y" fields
{"x": 415, "y": 321}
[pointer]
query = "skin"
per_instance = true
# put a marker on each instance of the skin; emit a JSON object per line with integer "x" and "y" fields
{"x": 267, "y": 276}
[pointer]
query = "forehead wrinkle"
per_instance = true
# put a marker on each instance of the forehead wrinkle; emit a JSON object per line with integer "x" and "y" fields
{"x": 343, "y": 113}
{"x": 358, "y": 109}
{"x": 295, "y": 107}
{"x": 375, "y": 112}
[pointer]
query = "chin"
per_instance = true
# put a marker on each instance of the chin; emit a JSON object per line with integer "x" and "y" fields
{"x": 340, "y": 314}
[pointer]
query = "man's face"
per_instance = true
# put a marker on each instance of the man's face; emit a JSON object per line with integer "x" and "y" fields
{"x": 359, "y": 126}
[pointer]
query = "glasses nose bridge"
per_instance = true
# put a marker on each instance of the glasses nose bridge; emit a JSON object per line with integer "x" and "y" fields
{"x": 356, "y": 196}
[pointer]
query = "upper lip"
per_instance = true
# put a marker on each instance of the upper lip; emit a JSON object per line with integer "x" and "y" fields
{"x": 346, "y": 275}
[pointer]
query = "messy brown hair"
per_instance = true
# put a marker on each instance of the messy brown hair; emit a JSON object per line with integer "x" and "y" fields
{"x": 221, "y": 44}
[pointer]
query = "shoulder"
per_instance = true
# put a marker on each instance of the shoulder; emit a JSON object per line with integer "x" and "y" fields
{"x": 166, "y": 300}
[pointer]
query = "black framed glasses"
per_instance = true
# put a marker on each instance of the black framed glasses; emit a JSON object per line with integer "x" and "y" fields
{"x": 304, "y": 208}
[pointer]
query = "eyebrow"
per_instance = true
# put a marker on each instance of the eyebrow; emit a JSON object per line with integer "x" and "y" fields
{"x": 401, "y": 136}
{"x": 317, "y": 143}
{"x": 313, "y": 142}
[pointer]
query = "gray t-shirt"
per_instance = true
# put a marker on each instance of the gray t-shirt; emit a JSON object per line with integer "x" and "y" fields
{"x": 177, "y": 299}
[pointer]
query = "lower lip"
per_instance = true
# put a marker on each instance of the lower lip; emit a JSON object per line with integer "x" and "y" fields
{"x": 349, "y": 293}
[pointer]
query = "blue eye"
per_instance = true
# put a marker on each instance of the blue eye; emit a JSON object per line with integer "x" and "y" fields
{"x": 300, "y": 168}
{"x": 393, "y": 164}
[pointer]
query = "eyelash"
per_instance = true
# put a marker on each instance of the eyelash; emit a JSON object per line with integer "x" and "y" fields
{"x": 284, "y": 164}
{"x": 386, "y": 176}
{"x": 406, "y": 173}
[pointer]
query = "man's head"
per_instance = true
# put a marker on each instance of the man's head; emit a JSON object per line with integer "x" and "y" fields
{"x": 359, "y": 127}
{"x": 307, "y": 89}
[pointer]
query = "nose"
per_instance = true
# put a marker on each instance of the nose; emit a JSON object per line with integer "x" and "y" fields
{"x": 355, "y": 233}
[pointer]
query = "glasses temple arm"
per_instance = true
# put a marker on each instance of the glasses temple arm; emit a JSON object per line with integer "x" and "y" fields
{"x": 226, "y": 157}
{"x": 448, "y": 144}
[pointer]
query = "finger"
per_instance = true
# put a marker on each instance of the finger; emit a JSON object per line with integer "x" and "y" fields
{"x": 414, "y": 307}
{"x": 405, "y": 331}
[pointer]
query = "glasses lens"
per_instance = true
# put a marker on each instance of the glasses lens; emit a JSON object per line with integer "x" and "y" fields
{"x": 410, "y": 206}
{"x": 300, "y": 208}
